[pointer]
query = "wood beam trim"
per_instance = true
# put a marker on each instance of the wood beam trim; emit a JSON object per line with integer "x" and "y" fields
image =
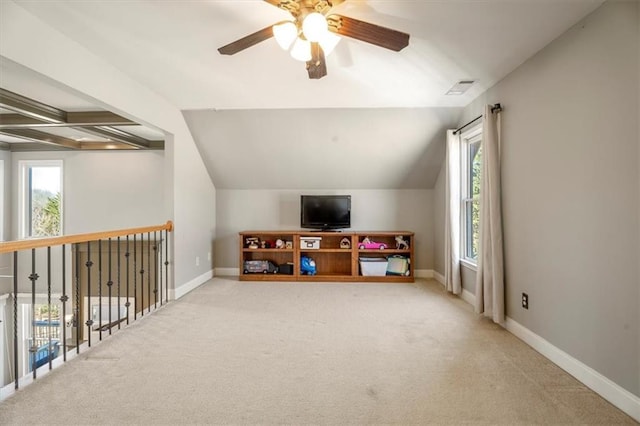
{"x": 117, "y": 135}
{"x": 85, "y": 118}
{"x": 97, "y": 118}
{"x": 31, "y": 108}
{"x": 42, "y": 137}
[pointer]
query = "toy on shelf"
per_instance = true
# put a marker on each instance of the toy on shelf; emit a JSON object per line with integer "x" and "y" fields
{"x": 307, "y": 266}
{"x": 252, "y": 242}
{"x": 345, "y": 243}
{"x": 260, "y": 267}
{"x": 367, "y": 244}
{"x": 279, "y": 244}
{"x": 401, "y": 243}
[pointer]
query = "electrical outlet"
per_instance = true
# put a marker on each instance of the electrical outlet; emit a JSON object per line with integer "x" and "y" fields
{"x": 525, "y": 300}
{"x": 197, "y": 260}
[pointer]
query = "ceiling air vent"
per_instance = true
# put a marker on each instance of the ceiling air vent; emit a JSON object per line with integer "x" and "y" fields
{"x": 460, "y": 87}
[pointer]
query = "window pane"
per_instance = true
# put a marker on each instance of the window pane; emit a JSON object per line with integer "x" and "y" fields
{"x": 472, "y": 228}
{"x": 475, "y": 168}
{"x": 475, "y": 229}
{"x": 44, "y": 201}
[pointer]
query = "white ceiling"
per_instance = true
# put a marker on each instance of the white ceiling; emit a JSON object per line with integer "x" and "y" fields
{"x": 171, "y": 47}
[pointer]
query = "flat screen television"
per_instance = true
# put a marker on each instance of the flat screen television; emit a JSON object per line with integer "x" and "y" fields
{"x": 325, "y": 212}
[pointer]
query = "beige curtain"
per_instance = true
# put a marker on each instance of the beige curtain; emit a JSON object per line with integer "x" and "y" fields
{"x": 452, "y": 214}
{"x": 490, "y": 275}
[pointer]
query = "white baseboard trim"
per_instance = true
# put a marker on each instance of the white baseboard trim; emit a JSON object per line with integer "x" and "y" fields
{"x": 438, "y": 277}
{"x": 177, "y": 293}
{"x": 468, "y": 297}
{"x": 228, "y": 272}
{"x": 423, "y": 273}
{"x": 621, "y": 398}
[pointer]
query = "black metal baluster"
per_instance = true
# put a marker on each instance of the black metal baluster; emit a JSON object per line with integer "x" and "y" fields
{"x": 64, "y": 299}
{"x": 49, "y": 305}
{"x": 135, "y": 278}
{"x": 127, "y": 303}
{"x": 141, "y": 274}
{"x": 100, "y": 290}
{"x": 33, "y": 278}
{"x": 109, "y": 284}
{"x": 89, "y": 321}
{"x": 76, "y": 308}
{"x": 155, "y": 269}
{"x": 160, "y": 269}
{"x": 15, "y": 317}
{"x": 118, "y": 286}
{"x": 166, "y": 264}
{"x": 149, "y": 271}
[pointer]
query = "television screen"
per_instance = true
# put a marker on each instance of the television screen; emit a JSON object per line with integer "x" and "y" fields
{"x": 325, "y": 211}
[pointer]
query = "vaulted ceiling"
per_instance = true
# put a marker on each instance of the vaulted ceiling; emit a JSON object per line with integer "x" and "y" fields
{"x": 171, "y": 47}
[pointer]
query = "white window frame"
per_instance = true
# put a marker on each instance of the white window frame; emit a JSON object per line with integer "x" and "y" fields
{"x": 23, "y": 195}
{"x": 469, "y": 137}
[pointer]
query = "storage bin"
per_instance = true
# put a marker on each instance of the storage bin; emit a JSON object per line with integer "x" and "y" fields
{"x": 398, "y": 265}
{"x": 373, "y": 266}
{"x": 310, "y": 243}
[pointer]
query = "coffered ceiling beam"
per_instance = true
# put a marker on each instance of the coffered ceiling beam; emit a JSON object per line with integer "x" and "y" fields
{"x": 42, "y": 137}
{"x": 117, "y": 136}
{"x": 30, "y": 108}
{"x": 84, "y": 146}
{"x": 85, "y": 118}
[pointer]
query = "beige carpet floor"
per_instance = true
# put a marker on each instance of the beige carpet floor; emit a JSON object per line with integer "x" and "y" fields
{"x": 284, "y": 353}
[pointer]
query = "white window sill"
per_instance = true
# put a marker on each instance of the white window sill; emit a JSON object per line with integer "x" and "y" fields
{"x": 469, "y": 265}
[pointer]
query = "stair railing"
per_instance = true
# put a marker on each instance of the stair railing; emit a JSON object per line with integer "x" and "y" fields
{"x": 65, "y": 292}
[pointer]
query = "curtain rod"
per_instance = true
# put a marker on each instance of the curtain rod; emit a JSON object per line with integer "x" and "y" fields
{"x": 494, "y": 108}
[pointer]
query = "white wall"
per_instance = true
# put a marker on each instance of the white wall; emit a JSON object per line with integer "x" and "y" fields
{"x": 189, "y": 193}
{"x": 5, "y": 194}
{"x": 375, "y": 210}
{"x": 570, "y": 173}
{"x": 5, "y": 213}
{"x": 104, "y": 190}
{"x": 101, "y": 191}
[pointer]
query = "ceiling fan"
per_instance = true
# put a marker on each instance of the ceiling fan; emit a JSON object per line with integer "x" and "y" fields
{"x": 314, "y": 31}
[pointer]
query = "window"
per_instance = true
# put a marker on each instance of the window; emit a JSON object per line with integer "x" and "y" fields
{"x": 470, "y": 192}
{"x": 40, "y": 198}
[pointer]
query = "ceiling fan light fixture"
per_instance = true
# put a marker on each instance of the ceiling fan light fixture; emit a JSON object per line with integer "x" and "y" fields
{"x": 329, "y": 42}
{"x": 314, "y": 27}
{"x": 285, "y": 34}
{"x": 301, "y": 50}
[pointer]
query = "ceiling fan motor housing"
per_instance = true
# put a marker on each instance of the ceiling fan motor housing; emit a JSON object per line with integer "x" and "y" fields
{"x": 301, "y": 8}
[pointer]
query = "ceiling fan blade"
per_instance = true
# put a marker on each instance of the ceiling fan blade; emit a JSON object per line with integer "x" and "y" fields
{"x": 317, "y": 66}
{"x": 370, "y": 33}
{"x": 246, "y": 42}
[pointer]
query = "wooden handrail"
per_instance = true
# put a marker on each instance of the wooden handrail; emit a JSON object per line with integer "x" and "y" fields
{"x": 11, "y": 246}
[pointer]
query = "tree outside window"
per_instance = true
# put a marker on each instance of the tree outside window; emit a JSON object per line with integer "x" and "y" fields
{"x": 43, "y": 199}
